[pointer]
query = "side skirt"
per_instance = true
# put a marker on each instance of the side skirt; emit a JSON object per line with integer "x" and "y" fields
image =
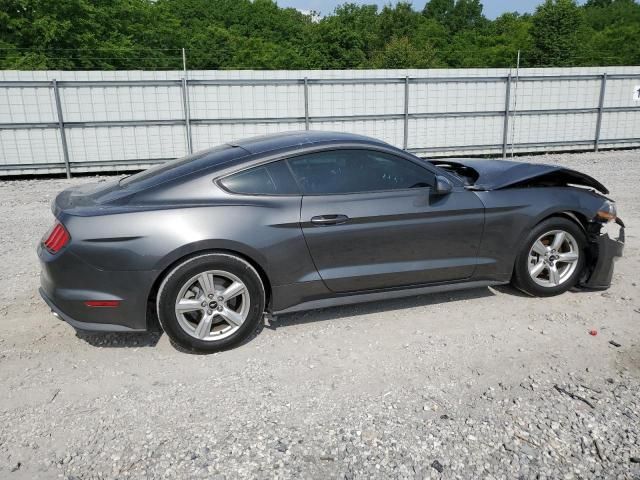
{"x": 385, "y": 295}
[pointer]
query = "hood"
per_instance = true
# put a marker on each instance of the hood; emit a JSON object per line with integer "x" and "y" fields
{"x": 485, "y": 174}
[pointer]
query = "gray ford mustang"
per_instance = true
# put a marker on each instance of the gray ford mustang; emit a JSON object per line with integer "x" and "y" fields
{"x": 204, "y": 246}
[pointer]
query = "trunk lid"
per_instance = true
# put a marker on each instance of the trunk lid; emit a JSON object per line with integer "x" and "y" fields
{"x": 89, "y": 198}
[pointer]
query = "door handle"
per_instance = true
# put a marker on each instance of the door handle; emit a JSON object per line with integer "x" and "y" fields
{"x": 329, "y": 219}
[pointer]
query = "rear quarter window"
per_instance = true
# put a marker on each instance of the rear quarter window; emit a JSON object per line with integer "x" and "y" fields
{"x": 271, "y": 179}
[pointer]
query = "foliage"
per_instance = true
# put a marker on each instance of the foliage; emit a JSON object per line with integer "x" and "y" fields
{"x": 555, "y": 30}
{"x": 258, "y": 34}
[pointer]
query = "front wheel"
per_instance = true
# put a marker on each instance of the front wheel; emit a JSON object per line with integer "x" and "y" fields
{"x": 552, "y": 258}
{"x": 211, "y": 302}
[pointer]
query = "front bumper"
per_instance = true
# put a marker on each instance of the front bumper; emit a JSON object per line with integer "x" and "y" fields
{"x": 606, "y": 251}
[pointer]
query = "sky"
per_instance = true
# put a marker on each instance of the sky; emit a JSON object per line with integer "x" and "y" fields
{"x": 492, "y": 8}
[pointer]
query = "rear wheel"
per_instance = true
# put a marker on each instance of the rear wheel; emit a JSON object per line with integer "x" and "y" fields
{"x": 211, "y": 302}
{"x": 551, "y": 259}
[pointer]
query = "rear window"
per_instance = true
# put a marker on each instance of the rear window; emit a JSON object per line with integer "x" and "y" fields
{"x": 184, "y": 166}
{"x": 272, "y": 179}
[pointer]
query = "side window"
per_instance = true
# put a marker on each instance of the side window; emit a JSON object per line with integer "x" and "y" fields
{"x": 353, "y": 171}
{"x": 271, "y": 179}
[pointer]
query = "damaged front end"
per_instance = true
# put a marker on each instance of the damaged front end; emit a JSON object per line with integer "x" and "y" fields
{"x": 606, "y": 243}
{"x": 605, "y": 231}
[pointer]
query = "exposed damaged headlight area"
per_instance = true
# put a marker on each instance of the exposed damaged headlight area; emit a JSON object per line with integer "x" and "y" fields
{"x": 613, "y": 229}
{"x": 606, "y": 222}
{"x": 607, "y": 212}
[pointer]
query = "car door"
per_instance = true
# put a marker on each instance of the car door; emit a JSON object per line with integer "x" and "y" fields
{"x": 372, "y": 220}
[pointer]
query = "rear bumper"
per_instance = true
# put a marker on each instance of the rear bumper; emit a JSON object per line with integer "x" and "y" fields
{"x": 607, "y": 251}
{"x": 67, "y": 282}
{"x": 84, "y": 326}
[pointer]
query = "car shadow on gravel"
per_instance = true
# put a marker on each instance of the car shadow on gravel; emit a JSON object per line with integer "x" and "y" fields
{"x": 380, "y": 306}
{"x": 120, "y": 340}
{"x": 509, "y": 289}
{"x": 150, "y": 339}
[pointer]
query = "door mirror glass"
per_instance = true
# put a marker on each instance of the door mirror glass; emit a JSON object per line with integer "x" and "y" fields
{"x": 443, "y": 185}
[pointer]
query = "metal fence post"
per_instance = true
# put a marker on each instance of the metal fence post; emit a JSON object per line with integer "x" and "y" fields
{"x": 603, "y": 86}
{"x": 505, "y": 125}
{"x": 63, "y": 135}
{"x": 306, "y": 103}
{"x": 405, "y": 140}
{"x": 187, "y": 115}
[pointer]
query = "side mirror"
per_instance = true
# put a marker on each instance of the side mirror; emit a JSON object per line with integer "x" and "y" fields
{"x": 443, "y": 185}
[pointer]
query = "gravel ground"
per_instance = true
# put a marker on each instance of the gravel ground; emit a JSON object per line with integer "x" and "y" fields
{"x": 481, "y": 383}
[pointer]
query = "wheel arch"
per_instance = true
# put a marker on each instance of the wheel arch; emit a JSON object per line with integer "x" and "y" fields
{"x": 576, "y": 216}
{"x": 579, "y": 218}
{"x": 174, "y": 260}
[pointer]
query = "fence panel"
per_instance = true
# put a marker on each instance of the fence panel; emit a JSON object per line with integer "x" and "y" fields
{"x": 112, "y": 121}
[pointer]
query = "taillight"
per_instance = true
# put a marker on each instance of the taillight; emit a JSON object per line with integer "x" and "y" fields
{"x": 57, "y": 238}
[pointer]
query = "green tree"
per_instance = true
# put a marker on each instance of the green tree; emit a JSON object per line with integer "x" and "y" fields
{"x": 397, "y": 21}
{"x": 466, "y": 14}
{"x": 612, "y": 33}
{"x": 401, "y": 53}
{"x": 455, "y": 15}
{"x": 439, "y": 10}
{"x": 350, "y": 22}
{"x": 496, "y": 45}
{"x": 555, "y": 33}
{"x": 223, "y": 34}
{"x": 338, "y": 47}
{"x": 433, "y": 35}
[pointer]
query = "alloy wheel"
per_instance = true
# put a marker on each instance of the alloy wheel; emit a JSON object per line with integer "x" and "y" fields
{"x": 212, "y": 305}
{"x": 553, "y": 258}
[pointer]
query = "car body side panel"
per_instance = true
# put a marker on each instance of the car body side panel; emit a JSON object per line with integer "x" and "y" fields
{"x": 269, "y": 234}
{"x": 394, "y": 238}
{"x": 137, "y": 246}
{"x": 511, "y": 213}
{"x": 286, "y": 296}
{"x": 160, "y": 226}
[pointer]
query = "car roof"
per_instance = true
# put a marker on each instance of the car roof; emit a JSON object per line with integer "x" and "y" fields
{"x": 297, "y": 139}
{"x": 236, "y": 153}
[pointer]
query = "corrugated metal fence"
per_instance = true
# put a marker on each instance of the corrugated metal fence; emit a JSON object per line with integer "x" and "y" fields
{"x": 56, "y": 122}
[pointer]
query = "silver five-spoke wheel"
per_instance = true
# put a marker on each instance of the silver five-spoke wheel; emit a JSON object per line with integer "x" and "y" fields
{"x": 212, "y": 305}
{"x": 553, "y": 258}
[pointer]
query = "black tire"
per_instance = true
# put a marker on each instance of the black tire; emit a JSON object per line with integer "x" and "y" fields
{"x": 178, "y": 276}
{"x": 521, "y": 277}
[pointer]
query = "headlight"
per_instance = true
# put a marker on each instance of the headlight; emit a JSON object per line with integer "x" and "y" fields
{"x": 607, "y": 212}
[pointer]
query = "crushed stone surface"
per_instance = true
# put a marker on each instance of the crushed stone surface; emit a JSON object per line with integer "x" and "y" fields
{"x": 484, "y": 383}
